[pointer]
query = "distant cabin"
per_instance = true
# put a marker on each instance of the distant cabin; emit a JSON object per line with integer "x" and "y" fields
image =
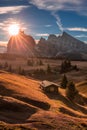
{"x": 49, "y": 87}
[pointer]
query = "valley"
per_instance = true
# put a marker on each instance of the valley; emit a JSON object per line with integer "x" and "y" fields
{"x": 24, "y": 105}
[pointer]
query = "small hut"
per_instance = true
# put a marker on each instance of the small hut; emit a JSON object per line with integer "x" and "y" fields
{"x": 49, "y": 87}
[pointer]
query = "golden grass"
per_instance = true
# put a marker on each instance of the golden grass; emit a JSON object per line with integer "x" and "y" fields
{"x": 22, "y": 101}
{"x": 23, "y": 86}
{"x": 82, "y": 87}
{"x": 28, "y": 90}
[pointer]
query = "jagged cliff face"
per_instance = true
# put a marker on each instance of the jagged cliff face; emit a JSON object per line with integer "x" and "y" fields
{"x": 55, "y": 46}
{"x": 21, "y": 44}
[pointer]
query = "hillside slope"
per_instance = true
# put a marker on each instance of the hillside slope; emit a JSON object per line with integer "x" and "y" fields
{"x": 24, "y": 105}
{"x": 82, "y": 87}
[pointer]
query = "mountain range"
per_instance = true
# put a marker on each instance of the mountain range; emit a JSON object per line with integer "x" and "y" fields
{"x": 60, "y": 46}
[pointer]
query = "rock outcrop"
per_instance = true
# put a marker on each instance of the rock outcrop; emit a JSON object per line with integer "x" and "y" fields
{"x": 21, "y": 44}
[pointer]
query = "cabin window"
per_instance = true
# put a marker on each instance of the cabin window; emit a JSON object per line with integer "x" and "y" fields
{"x": 52, "y": 89}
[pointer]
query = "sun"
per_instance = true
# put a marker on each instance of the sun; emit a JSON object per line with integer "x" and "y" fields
{"x": 13, "y": 29}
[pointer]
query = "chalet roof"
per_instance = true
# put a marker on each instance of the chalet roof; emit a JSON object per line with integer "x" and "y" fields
{"x": 46, "y": 83}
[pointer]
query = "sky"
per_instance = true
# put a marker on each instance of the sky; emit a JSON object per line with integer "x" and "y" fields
{"x": 40, "y": 18}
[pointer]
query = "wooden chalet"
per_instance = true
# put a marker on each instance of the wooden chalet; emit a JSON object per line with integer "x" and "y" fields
{"x": 49, "y": 87}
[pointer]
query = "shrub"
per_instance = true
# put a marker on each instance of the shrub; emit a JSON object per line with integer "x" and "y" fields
{"x": 39, "y": 72}
{"x": 65, "y": 66}
{"x": 19, "y": 70}
{"x": 40, "y": 62}
{"x": 10, "y": 68}
{"x": 5, "y": 65}
{"x": 30, "y": 62}
{"x": 49, "y": 69}
{"x": 23, "y": 72}
{"x": 1, "y": 66}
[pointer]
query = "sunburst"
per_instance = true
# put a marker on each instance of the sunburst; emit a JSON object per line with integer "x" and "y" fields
{"x": 14, "y": 29}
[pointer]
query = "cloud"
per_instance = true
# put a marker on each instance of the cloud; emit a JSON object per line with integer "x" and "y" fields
{"x": 56, "y": 5}
{"x": 48, "y": 25}
{"x": 51, "y": 6}
{"x": 58, "y": 22}
{"x": 5, "y": 25}
{"x": 42, "y": 35}
{"x": 79, "y": 29}
{"x": 12, "y": 9}
{"x": 85, "y": 42}
{"x": 81, "y": 36}
{"x": 3, "y": 43}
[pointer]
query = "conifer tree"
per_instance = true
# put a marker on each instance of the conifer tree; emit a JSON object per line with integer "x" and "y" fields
{"x": 71, "y": 91}
{"x": 40, "y": 62}
{"x": 48, "y": 69}
{"x": 64, "y": 82}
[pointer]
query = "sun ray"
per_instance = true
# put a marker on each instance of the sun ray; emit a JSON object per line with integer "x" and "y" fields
{"x": 26, "y": 45}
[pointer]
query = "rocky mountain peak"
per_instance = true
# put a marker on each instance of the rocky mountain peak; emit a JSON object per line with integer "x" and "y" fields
{"x": 54, "y": 46}
{"x": 65, "y": 34}
{"x": 42, "y": 39}
{"x": 51, "y": 37}
{"x": 21, "y": 44}
{"x": 64, "y": 43}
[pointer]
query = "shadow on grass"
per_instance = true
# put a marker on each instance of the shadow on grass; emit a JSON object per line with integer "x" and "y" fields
{"x": 71, "y": 104}
{"x": 69, "y": 112}
{"x": 4, "y": 91}
{"x": 7, "y": 92}
{"x": 39, "y": 104}
{"x": 13, "y": 111}
{"x": 81, "y": 100}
